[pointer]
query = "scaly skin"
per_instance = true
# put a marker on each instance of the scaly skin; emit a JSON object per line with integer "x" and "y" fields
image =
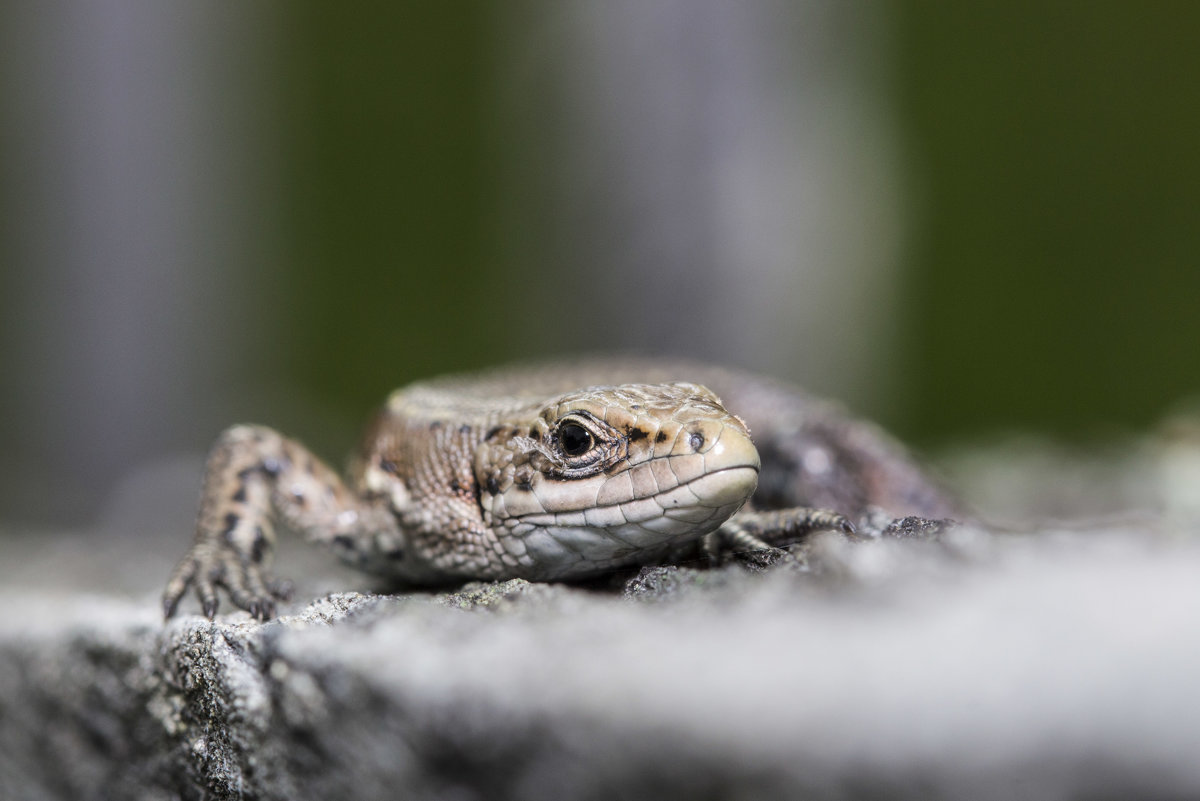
{"x": 548, "y": 473}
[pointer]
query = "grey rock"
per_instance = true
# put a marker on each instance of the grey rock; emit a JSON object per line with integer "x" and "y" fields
{"x": 1055, "y": 663}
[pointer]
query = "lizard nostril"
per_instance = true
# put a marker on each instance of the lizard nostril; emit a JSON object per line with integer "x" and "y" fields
{"x": 696, "y": 441}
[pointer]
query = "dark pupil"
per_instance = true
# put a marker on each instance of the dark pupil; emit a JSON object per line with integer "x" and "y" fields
{"x": 575, "y": 439}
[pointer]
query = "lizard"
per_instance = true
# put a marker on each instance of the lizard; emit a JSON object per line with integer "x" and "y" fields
{"x": 551, "y": 472}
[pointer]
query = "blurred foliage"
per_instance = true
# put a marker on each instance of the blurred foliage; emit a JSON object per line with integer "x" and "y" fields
{"x": 1054, "y": 266}
{"x": 1051, "y": 277}
{"x": 387, "y": 187}
{"x": 1051, "y": 271}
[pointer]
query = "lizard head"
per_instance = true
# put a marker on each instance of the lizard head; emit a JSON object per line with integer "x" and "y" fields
{"x": 607, "y": 476}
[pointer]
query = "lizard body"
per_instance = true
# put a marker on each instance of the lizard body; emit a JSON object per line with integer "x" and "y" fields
{"x": 546, "y": 473}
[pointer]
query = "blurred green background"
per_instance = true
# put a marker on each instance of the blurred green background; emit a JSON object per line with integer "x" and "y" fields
{"x": 961, "y": 218}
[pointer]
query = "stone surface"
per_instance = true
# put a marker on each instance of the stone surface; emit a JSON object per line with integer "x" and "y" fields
{"x": 1057, "y": 663}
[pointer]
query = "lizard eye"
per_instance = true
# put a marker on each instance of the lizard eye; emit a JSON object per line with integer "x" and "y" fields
{"x": 574, "y": 439}
{"x": 579, "y": 445}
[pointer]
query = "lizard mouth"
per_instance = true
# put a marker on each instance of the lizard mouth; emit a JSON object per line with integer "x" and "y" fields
{"x": 720, "y": 488}
{"x": 581, "y": 543}
{"x": 678, "y": 486}
{"x": 687, "y": 507}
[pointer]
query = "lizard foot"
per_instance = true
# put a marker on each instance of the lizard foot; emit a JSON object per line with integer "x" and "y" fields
{"x": 209, "y": 566}
{"x": 761, "y": 533}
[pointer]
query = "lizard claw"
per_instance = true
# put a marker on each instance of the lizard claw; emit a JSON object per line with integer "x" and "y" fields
{"x": 262, "y": 609}
{"x": 181, "y": 579}
{"x": 254, "y": 596}
{"x": 250, "y": 588}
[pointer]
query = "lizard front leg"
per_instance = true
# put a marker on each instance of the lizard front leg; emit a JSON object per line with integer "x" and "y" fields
{"x": 749, "y": 531}
{"x": 254, "y": 478}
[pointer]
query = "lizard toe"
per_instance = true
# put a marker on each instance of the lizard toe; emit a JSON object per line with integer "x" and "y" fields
{"x": 181, "y": 579}
{"x": 208, "y": 599}
{"x": 250, "y": 589}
